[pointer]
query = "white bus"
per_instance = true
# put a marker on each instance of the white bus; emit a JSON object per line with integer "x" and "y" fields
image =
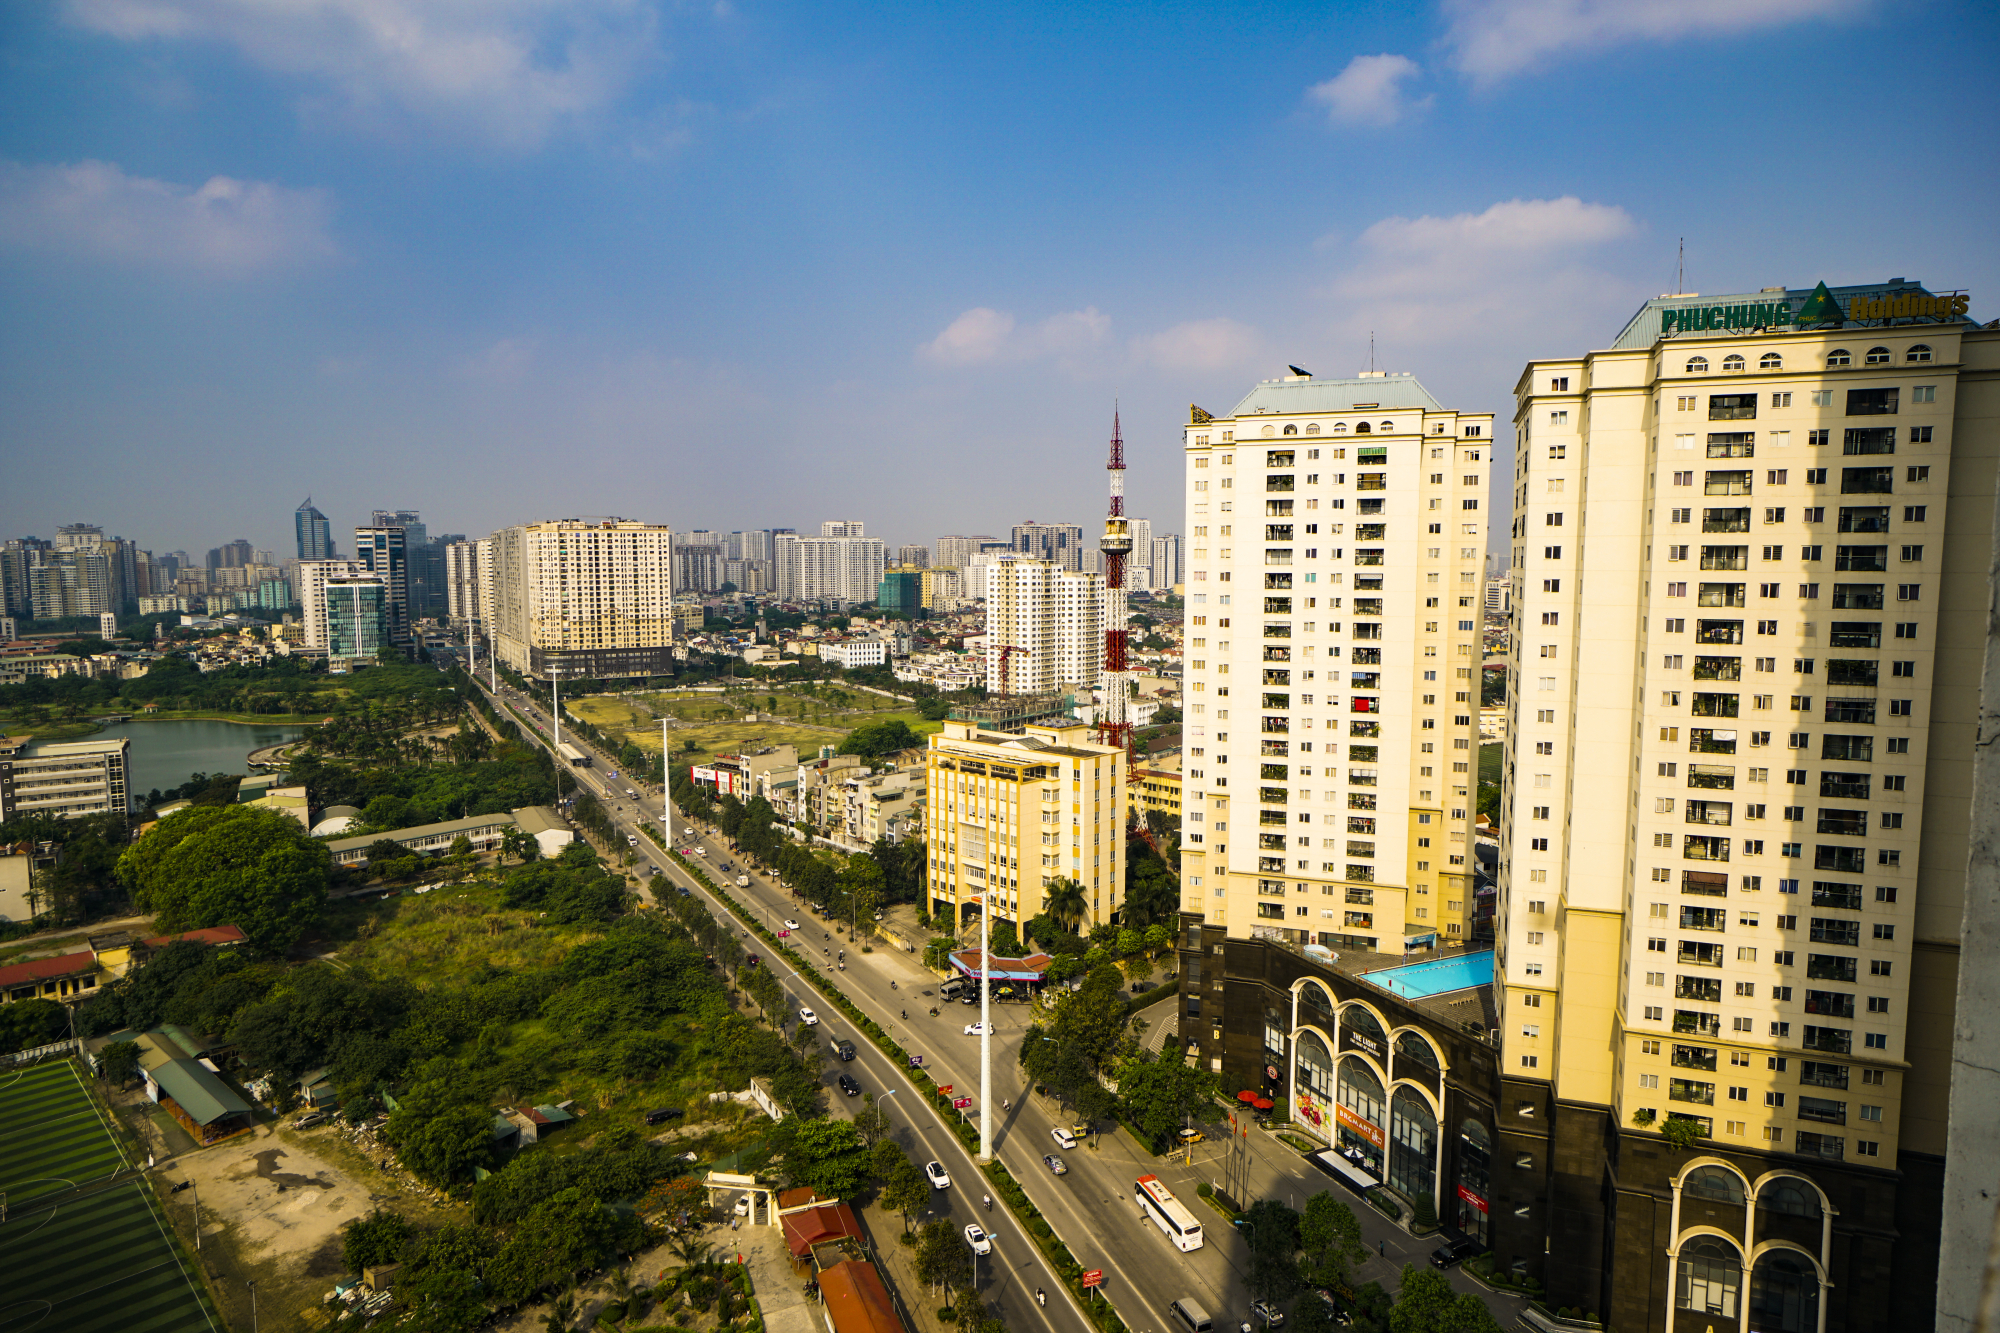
{"x": 1168, "y": 1213}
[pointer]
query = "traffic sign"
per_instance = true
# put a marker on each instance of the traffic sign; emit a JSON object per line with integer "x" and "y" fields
{"x": 960, "y": 1103}
{"x": 1094, "y": 1278}
{"x": 944, "y": 1089}
{"x": 916, "y": 1061}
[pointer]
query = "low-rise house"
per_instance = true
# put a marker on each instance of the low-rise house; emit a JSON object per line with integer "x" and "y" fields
{"x": 484, "y": 832}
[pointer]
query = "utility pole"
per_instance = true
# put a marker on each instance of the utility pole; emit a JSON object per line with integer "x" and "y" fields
{"x": 986, "y": 1026}
{"x": 555, "y": 721}
{"x": 666, "y": 784}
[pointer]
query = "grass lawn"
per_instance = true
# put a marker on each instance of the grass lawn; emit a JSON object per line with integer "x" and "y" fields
{"x": 716, "y": 723}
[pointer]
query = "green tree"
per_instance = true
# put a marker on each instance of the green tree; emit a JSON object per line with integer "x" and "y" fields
{"x": 941, "y": 1259}
{"x": 937, "y": 952}
{"x": 828, "y": 1157}
{"x": 119, "y": 1062}
{"x": 1427, "y": 1303}
{"x": 1273, "y": 1233}
{"x": 441, "y": 1132}
{"x": 904, "y": 1187}
{"x": 1330, "y": 1235}
{"x": 871, "y": 1122}
{"x": 376, "y": 1238}
{"x": 875, "y": 739}
{"x": 1067, "y": 903}
{"x": 230, "y": 865}
{"x": 1161, "y": 1095}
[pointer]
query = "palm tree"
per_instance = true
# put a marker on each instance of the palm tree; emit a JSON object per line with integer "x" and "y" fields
{"x": 1066, "y": 902}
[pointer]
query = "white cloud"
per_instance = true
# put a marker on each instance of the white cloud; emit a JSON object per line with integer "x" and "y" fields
{"x": 505, "y": 70}
{"x": 1484, "y": 284}
{"x": 1493, "y": 39}
{"x": 1201, "y": 345}
{"x": 502, "y": 362}
{"x": 1369, "y": 91}
{"x": 983, "y": 336}
{"x": 224, "y": 227}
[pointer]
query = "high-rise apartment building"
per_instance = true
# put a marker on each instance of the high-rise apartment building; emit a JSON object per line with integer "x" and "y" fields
{"x": 1166, "y": 561}
{"x": 586, "y": 597}
{"x": 231, "y": 555}
{"x": 913, "y": 557}
{"x": 698, "y": 568}
{"x": 468, "y": 573}
{"x": 830, "y": 568}
{"x": 1058, "y": 543}
{"x": 957, "y": 552}
{"x": 1347, "y": 762}
{"x": 384, "y": 550}
{"x": 356, "y": 613}
{"x": 1141, "y": 530}
{"x": 313, "y": 533}
{"x": 67, "y": 581}
{"x": 1044, "y": 628}
{"x": 1750, "y": 555}
{"x": 843, "y": 527}
{"x": 1009, "y": 812}
{"x": 312, "y": 576}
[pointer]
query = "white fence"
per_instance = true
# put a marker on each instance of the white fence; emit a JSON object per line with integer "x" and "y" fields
{"x": 63, "y": 1047}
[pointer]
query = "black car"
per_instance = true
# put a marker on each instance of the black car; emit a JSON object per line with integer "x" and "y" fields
{"x": 849, "y": 1086}
{"x": 663, "y": 1114}
{"x": 1454, "y": 1252}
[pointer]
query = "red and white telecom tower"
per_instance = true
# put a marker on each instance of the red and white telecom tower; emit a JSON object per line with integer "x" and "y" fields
{"x": 1112, "y": 726}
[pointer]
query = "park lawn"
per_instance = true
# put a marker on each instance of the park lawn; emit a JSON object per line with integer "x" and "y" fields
{"x": 451, "y": 934}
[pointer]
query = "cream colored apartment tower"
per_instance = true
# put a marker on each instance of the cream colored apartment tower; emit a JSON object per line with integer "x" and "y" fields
{"x": 591, "y": 596}
{"x": 1007, "y": 813}
{"x": 1337, "y": 529}
{"x": 1044, "y": 627}
{"x": 1750, "y": 547}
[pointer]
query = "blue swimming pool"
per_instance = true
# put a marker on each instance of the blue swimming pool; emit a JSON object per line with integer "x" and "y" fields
{"x": 1417, "y": 980}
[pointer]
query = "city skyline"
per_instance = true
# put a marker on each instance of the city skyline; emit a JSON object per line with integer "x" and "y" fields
{"x": 472, "y": 276}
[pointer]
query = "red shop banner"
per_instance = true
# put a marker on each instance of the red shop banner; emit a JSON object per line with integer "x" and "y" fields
{"x": 1366, "y": 1129}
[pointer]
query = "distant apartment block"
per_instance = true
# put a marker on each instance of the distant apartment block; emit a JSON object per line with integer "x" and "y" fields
{"x": 65, "y": 779}
{"x": 1044, "y": 628}
{"x": 588, "y": 597}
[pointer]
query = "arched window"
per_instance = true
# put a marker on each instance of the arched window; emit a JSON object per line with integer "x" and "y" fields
{"x": 1697, "y": 365}
{"x": 1413, "y": 1145}
{"x": 1732, "y": 364}
{"x": 1839, "y": 356}
{"x": 1316, "y": 1003}
{"x": 1878, "y": 356}
{"x": 1791, "y": 1197}
{"x": 1340, "y": 428}
{"x": 1312, "y": 428}
{"x": 1770, "y": 361}
{"x": 1362, "y": 429}
{"x": 1712, "y": 1182}
{"x": 1415, "y": 1058}
{"x": 1360, "y": 1025}
{"x": 1361, "y": 1093}
{"x": 1920, "y": 352}
{"x": 1269, "y": 431}
{"x": 1387, "y": 427}
{"x": 1784, "y": 1293}
{"x": 1316, "y": 1074}
{"x": 1708, "y": 1277}
{"x": 1291, "y": 430}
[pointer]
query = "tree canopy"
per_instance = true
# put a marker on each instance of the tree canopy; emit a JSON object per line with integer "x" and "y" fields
{"x": 230, "y": 865}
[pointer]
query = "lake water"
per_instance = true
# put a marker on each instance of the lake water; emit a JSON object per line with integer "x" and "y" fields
{"x": 166, "y": 754}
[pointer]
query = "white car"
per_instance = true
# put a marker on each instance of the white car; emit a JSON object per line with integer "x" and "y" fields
{"x": 809, "y": 1018}
{"x": 978, "y": 1030}
{"x": 791, "y": 925}
{"x": 743, "y": 1205}
{"x": 1064, "y": 1137}
{"x": 940, "y": 1180}
{"x": 976, "y": 1237}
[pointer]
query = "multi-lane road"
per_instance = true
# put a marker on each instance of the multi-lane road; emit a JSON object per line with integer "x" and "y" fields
{"x": 1091, "y": 1206}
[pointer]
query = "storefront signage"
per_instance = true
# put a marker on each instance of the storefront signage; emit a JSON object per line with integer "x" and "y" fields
{"x": 1350, "y": 1039}
{"x": 1819, "y": 308}
{"x": 1372, "y": 1132}
{"x": 1271, "y": 1072}
{"x": 1472, "y": 1199}
{"x": 1908, "y": 305}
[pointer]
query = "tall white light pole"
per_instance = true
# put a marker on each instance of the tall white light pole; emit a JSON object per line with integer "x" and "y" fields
{"x": 666, "y": 784}
{"x": 555, "y": 720}
{"x": 985, "y": 1026}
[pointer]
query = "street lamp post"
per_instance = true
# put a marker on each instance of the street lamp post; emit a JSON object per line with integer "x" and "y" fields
{"x": 986, "y": 1027}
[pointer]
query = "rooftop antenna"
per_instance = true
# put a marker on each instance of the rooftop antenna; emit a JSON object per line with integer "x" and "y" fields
{"x": 1681, "y": 268}
{"x": 1371, "y": 349}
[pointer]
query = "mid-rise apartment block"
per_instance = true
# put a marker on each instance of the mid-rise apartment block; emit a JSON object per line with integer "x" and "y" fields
{"x": 468, "y": 569}
{"x": 1332, "y": 663}
{"x": 66, "y": 779}
{"x": 1044, "y": 627}
{"x": 1007, "y": 813}
{"x": 1750, "y": 557}
{"x": 312, "y": 577}
{"x": 585, "y": 597}
{"x": 1060, "y": 544}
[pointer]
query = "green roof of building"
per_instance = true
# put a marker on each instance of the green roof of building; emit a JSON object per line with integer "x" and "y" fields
{"x": 204, "y": 1097}
{"x": 533, "y": 819}
{"x": 1643, "y": 329}
{"x": 1331, "y": 395}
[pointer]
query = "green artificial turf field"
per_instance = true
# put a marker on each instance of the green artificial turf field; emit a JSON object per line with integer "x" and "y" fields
{"x": 81, "y": 1255}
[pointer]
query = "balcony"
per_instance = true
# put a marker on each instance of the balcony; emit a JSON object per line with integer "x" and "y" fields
{"x": 1371, "y": 481}
{"x": 1361, "y": 897}
{"x": 1695, "y": 954}
{"x": 1277, "y": 724}
{"x": 1277, "y": 676}
{"x": 1278, "y": 483}
{"x": 1364, "y": 729}
{"x": 1853, "y": 671}
{"x": 1706, "y": 740}
{"x": 1691, "y": 1090}
{"x": 1861, "y": 559}
{"x": 1277, "y": 654}
{"x": 1277, "y": 701}
{"x": 1718, "y": 631}
{"x": 1371, "y": 532}
{"x": 1716, "y": 813}
{"x": 1271, "y": 842}
{"x": 1275, "y": 772}
{"x": 1857, "y": 597}
{"x": 1271, "y": 865}
{"x": 1706, "y": 989}
{"x": 1840, "y": 897}
{"x": 1867, "y": 481}
{"x": 1725, "y": 520}
{"x": 1361, "y": 824}
{"x": 1845, "y": 786}
{"x": 1850, "y": 710}
{"x": 1819, "y": 1074}
{"x": 1367, "y": 556}
{"x": 1692, "y": 1020}
{"x": 1278, "y": 555}
{"x": 1822, "y": 1110}
{"x": 1368, "y": 657}
{"x": 1726, "y": 483}
{"x": 1725, "y": 557}
{"x": 1863, "y": 518}
{"x": 1830, "y": 1003}
{"x": 1271, "y": 888}
{"x": 1277, "y": 632}
{"x": 1695, "y": 1057}
{"x": 1276, "y": 581}
{"x": 1361, "y": 849}
{"x": 1855, "y": 634}
{"x": 1704, "y": 918}
{"x": 1834, "y": 1041}
{"x": 1276, "y": 747}
{"x": 1715, "y": 705}
{"x": 1365, "y": 680}
{"x": 1711, "y": 777}
{"x": 1274, "y": 795}
{"x": 1721, "y": 594}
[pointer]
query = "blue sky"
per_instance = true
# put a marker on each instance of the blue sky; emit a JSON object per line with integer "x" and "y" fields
{"x": 758, "y": 264}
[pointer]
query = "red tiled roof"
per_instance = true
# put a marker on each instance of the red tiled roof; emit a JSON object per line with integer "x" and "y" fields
{"x": 48, "y": 969}
{"x": 794, "y": 1198}
{"x": 856, "y": 1300}
{"x": 206, "y": 935}
{"x": 816, "y": 1226}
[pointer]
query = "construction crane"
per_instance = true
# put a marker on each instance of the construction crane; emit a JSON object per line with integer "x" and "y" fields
{"x": 1007, "y": 650}
{"x": 1113, "y": 728}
